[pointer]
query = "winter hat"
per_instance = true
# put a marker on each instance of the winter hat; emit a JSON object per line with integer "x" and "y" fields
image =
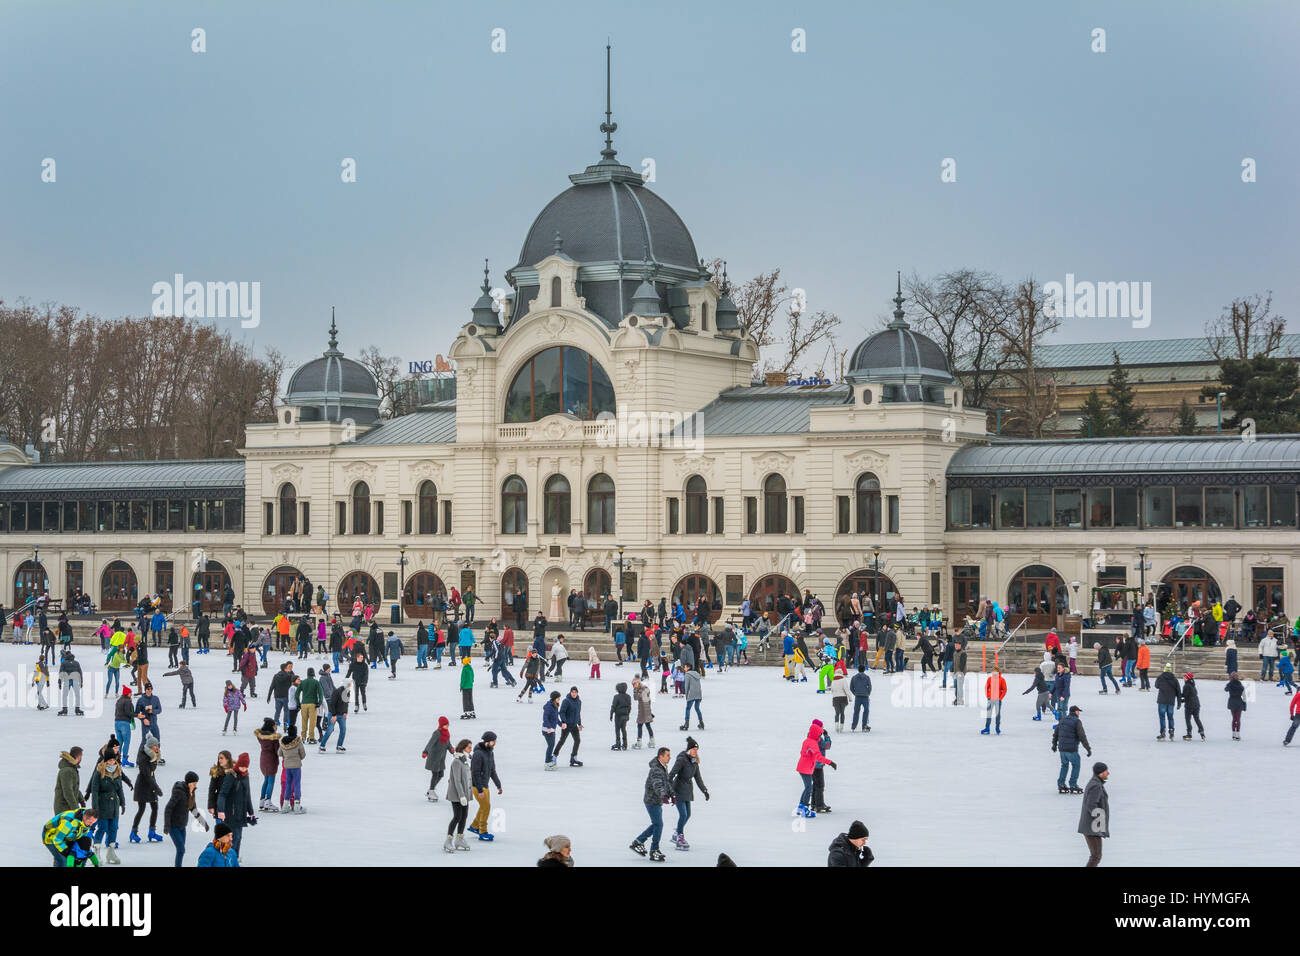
{"x": 126, "y": 692}
{"x": 191, "y": 777}
{"x": 690, "y": 743}
{"x": 488, "y": 737}
{"x": 555, "y": 695}
{"x": 817, "y": 722}
{"x": 1189, "y": 676}
{"x": 1169, "y": 667}
{"x": 621, "y": 687}
{"x": 557, "y": 843}
{"x": 858, "y": 830}
{"x": 220, "y": 830}
{"x": 241, "y": 761}
{"x": 150, "y": 741}
{"x": 268, "y": 725}
{"x": 1095, "y": 646}
{"x": 311, "y": 672}
{"x": 1076, "y": 709}
{"x": 1099, "y": 768}
{"x": 724, "y": 860}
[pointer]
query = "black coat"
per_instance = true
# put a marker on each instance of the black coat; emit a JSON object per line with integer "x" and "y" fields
{"x": 235, "y": 800}
{"x": 1236, "y": 690}
{"x": 146, "y": 781}
{"x": 1191, "y": 697}
{"x": 214, "y": 788}
{"x": 621, "y": 706}
{"x": 1069, "y": 735}
{"x": 657, "y": 785}
{"x": 178, "y": 807}
{"x": 685, "y": 774}
{"x": 483, "y": 767}
{"x": 844, "y": 853}
{"x": 1166, "y": 689}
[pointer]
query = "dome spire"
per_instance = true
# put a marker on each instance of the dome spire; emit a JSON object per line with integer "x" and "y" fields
{"x": 899, "y": 322}
{"x": 334, "y": 335}
{"x": 487, "y": 286}
{"x": 608, "y": 127}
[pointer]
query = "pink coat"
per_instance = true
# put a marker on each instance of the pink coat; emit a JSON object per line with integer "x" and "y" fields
{"x": 810, "y": 755}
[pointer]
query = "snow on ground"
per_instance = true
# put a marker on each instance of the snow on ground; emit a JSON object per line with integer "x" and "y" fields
{"x": 929, "y": 787}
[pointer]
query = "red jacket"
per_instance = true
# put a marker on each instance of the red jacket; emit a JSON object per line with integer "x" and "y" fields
{"x": 1000, "y": 687}
{"x": 810, "y": 755}
{"x": 1053, "y": 642}
{"x": 1295, "y": 705}
{"x": 248, "y": 664}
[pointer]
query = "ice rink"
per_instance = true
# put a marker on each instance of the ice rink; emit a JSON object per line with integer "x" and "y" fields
{"x": 932, "y": 790}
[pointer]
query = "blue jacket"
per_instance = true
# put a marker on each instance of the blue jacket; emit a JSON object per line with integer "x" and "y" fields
{"x": 860, "y": 685}
{"x": 158, "y": 621}
{"x": 787, "y": 645}
{"x": 394, "y": 646}
{"x": 1069, "y": 734}
{"x": 211, "y": 856}
{"x": 466, "y": 638}
{"x": 1230, "y": 659}
{"x": 571, "y": 710}
{"x": 550, "y": 716}
{"x": 1061, "y": 685}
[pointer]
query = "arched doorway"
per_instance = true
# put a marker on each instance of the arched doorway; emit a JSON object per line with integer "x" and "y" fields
{"x": 276, "y": 588}
{"x": 1036, "y": 596}
{"x": 357, "y": 584}
{"x": 766, "y": 591}
{"x": 118, "y": 589}
{"x": 421, "y": 590}
{"x": 208, "y": 586}
{"x": 514, "y": 582}
{"x": 691, "y": 588}
{"x": 554, "y": 596}
{"x": 596, "y": 587}
{"x": 865, "y": 581}
{"x": 30, "y": 581}
{"x": 1185, "y": 585}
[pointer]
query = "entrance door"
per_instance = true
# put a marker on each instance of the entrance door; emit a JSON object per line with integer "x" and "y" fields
{"x": 965, "y": 595}
{"x": 29, "y": 582}
{"x": 1036, "y": 596}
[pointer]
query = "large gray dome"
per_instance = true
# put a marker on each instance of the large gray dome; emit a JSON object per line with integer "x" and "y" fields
{"x": 333, "y": 373}
{"x": 334, "y": 388}
{"x": 899, "y": 349}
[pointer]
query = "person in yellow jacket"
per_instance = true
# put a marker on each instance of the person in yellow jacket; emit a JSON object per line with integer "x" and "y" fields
{"x": 41, "y": 681}
{"x": 67, "y": 837}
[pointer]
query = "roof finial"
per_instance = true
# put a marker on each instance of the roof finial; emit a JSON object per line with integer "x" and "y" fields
{"x": 334, "y": 331}
{"x": 899, "y": 322}
{"x": 726, "y": 283}
{"x": 558, "y": 245}
{"x": 487, "y": 286}
{"x": 608, "y": 127}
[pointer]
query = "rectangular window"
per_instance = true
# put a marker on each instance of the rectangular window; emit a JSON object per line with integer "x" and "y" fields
{"x": 1254, "y": 506}
{"x": 1158, "y": 511}
{"x": 935, "y": 577}
{"x": 719, "y": 508}
{"x": 407, "y": 521}
{"x": 194, "y": 516}
{"x": 1281, "y": 506}
{"x": 1266, "y": 589}
{"x": 1068, "y": 508}
{"x": 69, "y": 515}
{"x": 121, "y": 516}
{"x": 798, "y": 514}
{"x": 235, "y": 515}
{"x": 103, "y": 516}
{"x": 4, "y": 516}
{"x": 85, "y": 516}
{"x": 958, "y": 509}
{"x": 74, "y": 576}
{"x": 18, "y": 520}
{"x": 379, "y": 517}
{"x": 175, "y": 516}
{"x": 390, "y": 585}
{"x": 446, "y": 516}
{"x": 158, "y": 521}
{"x": 735, "y": 587}
{"x": 1100, "y": 512}
{"x": 214, "y": 514}
{"x": 163, "y": 579}
{"x": 1038, "y": 507}
{"x": 269, "y": 509}
{"x": 1126, "y": 508}
{"x": 629, "y": 587}
{"x": 1011, "y": 507}
{"x": 1218, "y": 507}
{"x": 53, "y": 513}
{"x": 34, "y": 516}
{"x": 139, "y": 516}
{"x": 306, "y": 518}
{"x": 1187, "y": 507}
{"x": 751, "y": 515}
{"x": 673, "y": 508}
{"x": 893, "y": 514}
{"x": 842, "y": 514}
{"x": 341, "y": 514}
{"x": 981, "y": 508}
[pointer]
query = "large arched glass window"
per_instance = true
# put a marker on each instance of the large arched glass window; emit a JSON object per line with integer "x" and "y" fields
{"x": 361, "y": 508}
{"x": 514, "y": 506}
{"x": 555, "y": 512}
{"x": 559, "y": 380}
{"x": 600, "y": 505}
{"x": 774, "y": 505}
{"x": 427, "y": 497}
{"x": 697, "y": 505}
{"x": 867, "y": 498}
{"x": 288, "y": 509}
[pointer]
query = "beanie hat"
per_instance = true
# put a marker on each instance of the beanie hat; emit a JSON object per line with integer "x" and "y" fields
{"x": 555, "y": 694}
{"x": 191, "y": 777}
{"x": 1169, "y": 667}
{"x": 126, "y": 692}
{"x": 724, "y": 860}
{"x": 311, "y": 672}
{"x": 488, "y": 736}
{"x": 691, "y": 743}
{"x": 1188, "y": 676}
{"x": 857, "y": 830}
{"x": 242, "y": 761}
{"x": 557, "y": 843}
{"x": 1099, "y": 768}
{"x": 220, "y": 830}
{"x": 150, "y": 741}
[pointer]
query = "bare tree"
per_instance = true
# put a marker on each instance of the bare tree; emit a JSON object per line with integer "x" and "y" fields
{"x": 964, "y": 311}
{"x": 1028, "y": 321}
{"x": 386, "y": 370}
{"x": 1245, "y": 329}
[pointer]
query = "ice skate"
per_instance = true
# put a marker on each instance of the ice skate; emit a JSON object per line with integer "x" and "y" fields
{"x": 657, "y": 857}
{"x": 446, "y": 845}
{"x": 575, "y": 762}
{"x": 1162, "y": 736}
{"x": 638, "y": 848}
{"x": 637, "y": 745}
{"x": 486, "y": 837}
{"x": 700, "y": 725}
{"x": 1187, "y": 736}
{"x": 460, "y": 842}
{"x": 551, "y": 765}
{"x": 682, "y": 844}
{"x": 1062, "y": 788}
{"x": 1076, "y": 789}
{"x": 135, "y": 837}
{"x": 431, "y": 796}
{"x": 300, "y": 809}
{"x": 110, "y": 855}
{"x": 684, "y": 727}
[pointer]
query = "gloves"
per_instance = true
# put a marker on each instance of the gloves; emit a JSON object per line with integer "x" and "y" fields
{"x": 1090, "y": 753}
{"x": 1054, "y": 749}
{"x": 834, "y": 765}
{"x": 425, "y": 755}
{"x": 706, "y": 796}
{"x": 464, "y": 801}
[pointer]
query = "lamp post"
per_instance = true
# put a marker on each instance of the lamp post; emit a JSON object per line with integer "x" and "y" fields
{"x": 620, "y": 582}
{"x": 1085, "y": 421}
{"x": 1218, "y": 409}
{"x": 36, "y": 561}
{"x": 875, "y": 583}
{"x": 401, "y": 588}
{"x": 1142, "y": 572}
{"x": 1076, "y": 585}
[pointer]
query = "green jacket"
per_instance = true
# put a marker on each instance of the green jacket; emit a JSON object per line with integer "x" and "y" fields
{"x": 106, "y": 794}
{"x": 467, "y": 677}
{"x": 309, "y": 692}
{"x": 67, "y": 787}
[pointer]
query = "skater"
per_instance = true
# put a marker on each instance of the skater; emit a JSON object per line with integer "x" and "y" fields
{"x": 1042, "y": 703}
{"x": 394, "y": 647}
{"x": 187, "y": 682}
{"x": 559, "y": 849}
{"x": 221, "y": 851}
{"x": 530, "y": 673}
{"x": 593, "y": 659}
{"x": 1072, "y": 652}
{"x": 501, "y": 664}
{"x": 694, "y": 694}
{"x": 959, "y": 674}
{"x": 291, "y": 753}
{"x": 1190, "y": 701}
{"x": 67, "y": 836}
{"x": 559, "y": 654}
{"x": 1094, "y": 815}
{"x": 235, "y": 801}
{"x": 685, "y": 774}
{"x": 107, "y": 799}
{"x": 1295, "y": 721}
{"x": 232, "y": 702}
{"x": 1143, "y": 664}
{"x": 268, "y": 761}
{"x": 458, "y": 790}
{"x": 466, "y": 689}
{"x": 435, "y": 756}
{"x": 147, "y": 709}
{"x": 1067, "y": 737}
{"x": 657, "y": 792}
{"x": 41, "y": 681}
{"x": 995, "y": 689}
{"x": 819, "y": 804}
{"x": 620, "y": 709}
{"x": 179, "y": 806}
{"x": 1267, "y": 655}
{"x": 70, "y": 681}
{"x": 359, "y": 674}
{"x": 810, "y": 757}
{"x": 570, "y": 726}
{"x": 550, "y": 721}
{"x": 281, "y": 687}
{"x": 860, "y": 688}
{"x": 1061, "y": 690}
{"x": 146, "y": 789}
{"x": 644, "y": 718}
{"x": 308, "y": 696}
{"x": 1236, "y": 702}
{"x": 1167, "y": 693}
{"x": 338, "y": 716}
{"x": 840, "y": 698}
{"x": 850, "y": 849}
{"x": 482, "y": 770}
{"x": 1104, "y": 667}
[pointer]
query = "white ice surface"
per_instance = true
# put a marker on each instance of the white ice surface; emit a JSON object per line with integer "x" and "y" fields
{"x": 929, "y": 787}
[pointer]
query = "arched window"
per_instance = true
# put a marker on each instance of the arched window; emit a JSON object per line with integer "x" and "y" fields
{"x": 774, "y": 505}
{"x": 697, "y": 505}
{"x": 514, "y": 506}
{"x": 555, "y": 510}
{"x": 555, "y": 292}
{"x": 288, "y": 509}
{"x": 600, "y": 505}
{"x": 704, "y": 316}
{"x": 361, "y": 508}
{"x": 559, "y": 380}
{"x": 427, "y": 496}
{"x": 867, "y": 497}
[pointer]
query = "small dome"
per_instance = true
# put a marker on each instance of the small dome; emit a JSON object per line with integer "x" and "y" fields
{"x": 332, "y": 373}
{"x": 333, "y": 388}
{"x": 911, "y": 366}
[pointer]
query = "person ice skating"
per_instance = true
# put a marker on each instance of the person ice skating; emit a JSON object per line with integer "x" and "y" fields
{"x": 1285, "y": 670}
{"x": 1067, "y": 738}
{"x": 1094, "y": 815}
{"x": 550, "y": 722}
{"x": 959, "y": 674}
{"x": 107, "y": 799}
{"x": 458, "y": 792}
{"x": 995, "y": 689}
{"x": 691, "y": 681}
{"x": 1267, "y": 655}
{"x": 1143, "y": 664}
{"x": 1061, "y": 690}
{"x": 1072, "y": 653}
{"x": 482, "y": 771}
{"x": 179, "y": 806}
{"x": 658, "y": 791}
{"x": 221, "y": 851}
{"x": 41, "y": 681}
{"x": 570, "y": 726}
{"x": 860, "y": 688}
{"x": 232, "y": 702}
{"x": 683, "y": 777}
{"x": 840, "y": 698}
{"x": 67, "y": 835}
{"x": 1104, "y": 668}
{"x": 235, "y": 801}
{"x": 1167, "y": 692}
{"x": 644, "y": 718}
{"x": 620, "y": 710}
{"x": 291, "y": 752}
{"x": 466, "y": 689}
{"x": 531, "y": 675}
{"x": 559, "y": 654}
{"x": 1295, "y": 721}
{"x": 70, "y": 680}
{"x": 248, "y": 672}
{"x": 593, "y": 659}
{"x": 435, "y": 756}
{"x": 850, "y": 849}
{"x": 810, "y": 758}
{"x": 268, "y": 761}
{"x": 1190, "y": 701}
{"x": 281, "y": 687}
{"x": 146, "y": 790}
{"x": 394, "y": 648}
{"x": 338, "y": 718}
{"x": 187, "y": 683}
{"x": 308, "y": 695}
{"x": 147, "y": 710}
{"x": 1236, "y": 691}
{"x": 1043, "y": 702}
{"x": 359, "y": 674}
